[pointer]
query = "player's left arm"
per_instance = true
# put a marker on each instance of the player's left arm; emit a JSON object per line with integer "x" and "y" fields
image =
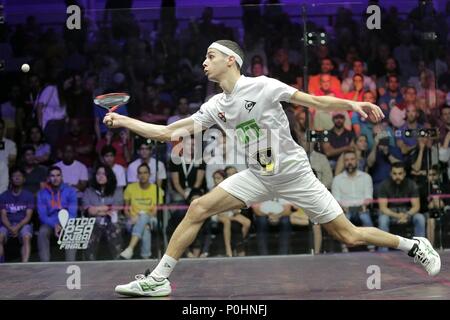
{"x": 327, "y": 103}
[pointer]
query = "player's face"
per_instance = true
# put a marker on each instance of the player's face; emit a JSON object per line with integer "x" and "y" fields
{"x": 215, "y": 64}
{"x": 55, "y": 178}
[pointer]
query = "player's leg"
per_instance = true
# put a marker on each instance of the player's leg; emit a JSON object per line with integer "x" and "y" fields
{"x": 218, "y": 200}
{"x": 235, "y": 192}
{"x": 419, "y": 248}
{"x": 307, "y": 192}
{"x": 156, "y": 283}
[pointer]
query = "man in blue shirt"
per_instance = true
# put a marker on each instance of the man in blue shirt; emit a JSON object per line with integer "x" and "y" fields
{"x": 16, "y": 208}
{"x": 50, "y": 200}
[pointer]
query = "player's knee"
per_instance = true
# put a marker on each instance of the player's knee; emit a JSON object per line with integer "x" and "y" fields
{"x": 197, "y": 211}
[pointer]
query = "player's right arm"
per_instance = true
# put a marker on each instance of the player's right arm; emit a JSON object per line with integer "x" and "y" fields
{"x": 183, "y": 127}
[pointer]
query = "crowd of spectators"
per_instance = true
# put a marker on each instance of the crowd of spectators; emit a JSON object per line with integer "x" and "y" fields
{"x": 55, "y": 152}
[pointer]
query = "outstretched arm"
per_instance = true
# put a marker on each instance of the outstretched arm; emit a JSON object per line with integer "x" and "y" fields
{"x": 327, "y": 103}
{"x": 157, "y": 132}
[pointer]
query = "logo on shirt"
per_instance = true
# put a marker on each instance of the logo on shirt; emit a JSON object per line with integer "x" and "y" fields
{"x": 248, "y": 105}
{"x": 248, "y": 131}
{"x": 221, "y": 116}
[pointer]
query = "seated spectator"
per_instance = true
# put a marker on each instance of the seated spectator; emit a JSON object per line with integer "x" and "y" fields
{"x": 396, "y": 211}
{"x": 340, "y": 139}
{"x": 434, "y": 202}
{"x": 397, "y": 116}
{"x": 16, "y": 210}
{"x": 324, "y": 120}
{"x": 109, "y": 158}
{"x": 444, "y": 152}
{"x": 51, "y": 111}
{"x": 74, "y": 172}
{"x": 186, "y": 173}
{"x": 103, "y": 200}
{"x": 217, "y": 159}
{"x": 361, "y": 152}
{"x": 35, "y": 174}
{"x": 42, "y": 149}
{"x": 120, "y": 140}
{"x": 229, "y": 217}
{"x": 348, "y": 85}
{"x": 320, "y": 165}
{"x": 4, "y": 177}
{"x": 8, "y": 150}
{"x": 391, "y": 97}
{"x": 299, "y": 217}
{"x": 326, "y": 67}
{"x": 285, "y": 71}
{"x": 444, "y": 128}
{"x": 357, "y": 94}
{"x": 182, "y": 111}
{"x": 81, "y": 142}
{"x": 353, "y": 190}
{"x": 381, "y": 158}
{"x": 144, "y": 150}
{"x": 50, "y": 200}
{"x": 361, "y": 125}
{"x": 140, "y": 209}
{"x": 406, "y": 144}
{"x": 275, "y": 212}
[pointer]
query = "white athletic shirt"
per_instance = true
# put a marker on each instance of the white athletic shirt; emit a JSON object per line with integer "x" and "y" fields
{"x": 254, "y": 112}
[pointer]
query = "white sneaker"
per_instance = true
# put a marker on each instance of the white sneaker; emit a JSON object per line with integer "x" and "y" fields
{"x": 428, "y": 257}
{"x": 145, "y": 286}
{"x": 127, "y": 254}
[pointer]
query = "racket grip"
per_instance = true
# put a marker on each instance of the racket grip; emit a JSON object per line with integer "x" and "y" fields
{"x": 109, "y": 123}
{"x": 113, "y": 109}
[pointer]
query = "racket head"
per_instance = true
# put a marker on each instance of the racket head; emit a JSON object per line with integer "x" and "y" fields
{"x": 111, "y": 101}
{"x": 63, "y": 217}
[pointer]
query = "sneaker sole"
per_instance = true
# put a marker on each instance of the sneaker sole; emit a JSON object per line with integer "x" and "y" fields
{"x": 157, "y": 293}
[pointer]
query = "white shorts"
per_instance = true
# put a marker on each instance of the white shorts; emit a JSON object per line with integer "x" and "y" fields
{"x": 303, "y": 190}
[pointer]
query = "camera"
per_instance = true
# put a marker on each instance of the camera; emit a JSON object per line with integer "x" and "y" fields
{"x": 317, "y": 136}
{"x": 435, "y": 213}
{"x": 417, "y": 133}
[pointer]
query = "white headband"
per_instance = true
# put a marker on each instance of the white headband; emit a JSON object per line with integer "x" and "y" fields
{"x": 227, "y": 51}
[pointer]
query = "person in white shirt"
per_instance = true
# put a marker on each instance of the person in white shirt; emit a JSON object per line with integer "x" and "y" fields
{"x": 74, "y": 172}
{"x": 277, "y": 212}
{"x": 249, "y": 110}
{"x": 353, "y": 189}
{"x": 8, "y": 149}
{"x": 144, "y": 152}
{"x": 108, "y": 153}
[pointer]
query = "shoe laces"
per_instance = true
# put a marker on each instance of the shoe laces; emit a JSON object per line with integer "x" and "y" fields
{"x": 422, "y": 257}
{"x": 141, "y": 276}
